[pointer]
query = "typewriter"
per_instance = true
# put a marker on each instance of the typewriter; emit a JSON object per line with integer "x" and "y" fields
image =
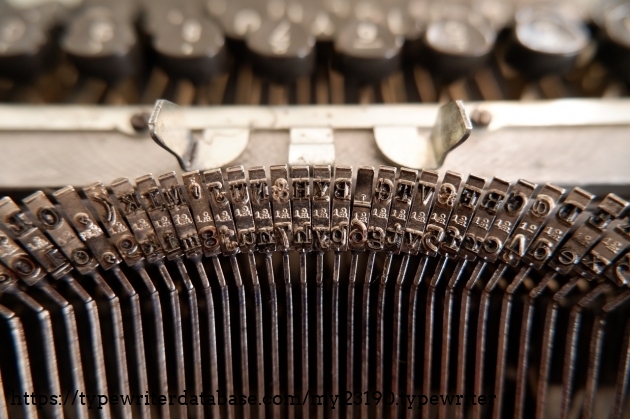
{"x": 314, "y": 209}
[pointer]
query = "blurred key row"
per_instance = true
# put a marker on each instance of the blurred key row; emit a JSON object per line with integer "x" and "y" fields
{"x": 311, "y": 51}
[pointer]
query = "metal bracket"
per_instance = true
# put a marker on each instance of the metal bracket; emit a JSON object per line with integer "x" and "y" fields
{"x": 216, "y": 147}
{"x": 407, "y": 146}
{"x": 212, "y": 147}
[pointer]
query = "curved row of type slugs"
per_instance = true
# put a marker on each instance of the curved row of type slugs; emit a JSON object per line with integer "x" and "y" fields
{"x": 505, "y": 223}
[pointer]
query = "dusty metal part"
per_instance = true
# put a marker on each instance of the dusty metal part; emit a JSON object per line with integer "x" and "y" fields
{"x": 429, "y": 325}
{"x": 200, "y": 207}
{"x": 397, "y": 335}
{"x": 89, "y": 326}
{"x": 176, "y": 202}
{"x": 404, "y": 145}
{"x": 16, "y": 221}
{"x": 481, "y": 341}
{"x": 612, "y": 245}
{"x": 551, "y": 319}
{"x": 33, "y": 338}
{"x": 219, "y": 146}
{"x": 504, "y": 329}
{"x": 21, "y": 366}
{"x": 138, "y": 220}
{"x": 341, "y": 199}
{"x": 244, "y": 221}
{"x": 457, "y": 226}
{"x": 153, "y": 201}
{"x": 181, "y": 218}
{"x": 212, "y": 148}
{"x": 412, "y": 327}
{"x": 114, "y": 224}
{"x": 281, "y": 205}
{"x": 301, "y": 215}
{"x": 13, "y": 257}
{"x": 241, "y": 208}
{"x": 462, "y": 334}
{"x": 224, "y": 219}
{"x": 311, "y": 146}
{"x": 382, "y": 198}
{"x": 440, "y": 216}
{"x": 557, "y": 228}
{"x": 531, "y": 224}
{"x": 283, "y": 233}
{"x": 541, "y": 113}
{"x": 571, "y": 348}
{"x": 447, "y": 330}
{"x": 427, "y": 321}
{"x": 582, "y": 239}
{"x": 506, "y": 220}
{"x": 87, "y": 227}
{"x": 62, "y": 315}
{"x": 420, "y": 210}
{"x": 483, "y": 219}
{"x": 60, "y": 232}
{"x": 261, "y": 207}
{"x": 525, "y": 343}
{"x": 401, "y": 205}
{"x": 539, "y": 141}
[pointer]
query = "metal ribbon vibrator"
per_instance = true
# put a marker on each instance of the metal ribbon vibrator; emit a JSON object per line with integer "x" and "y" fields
{"x": 383, "y": 250}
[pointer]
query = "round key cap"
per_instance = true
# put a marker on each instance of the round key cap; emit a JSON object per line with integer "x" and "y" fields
{"x": 498, "y": 13}
{"x": 410, "y": 22}
{"x": 158, "y": 15}
{"x": 458, "y": 42}
{"x": 313, "y": 16}
{"x": 341, "y": 9}
{"x": 26, "y": 48}
{"x": 193, "y": 49}
{"x": 282, "y": 51}
{"x": 545, "y": 41}
{"x": 47, "y": 14}
{"x": 367, "y": 52}
{"x": 238, "y": 19}
{"x": 322, "y": 25}
{"x": 615, "y": 41}
{"x": 369, "y": 11}
{"x": 600, "y": 9}
{"x": 102, "y": 44}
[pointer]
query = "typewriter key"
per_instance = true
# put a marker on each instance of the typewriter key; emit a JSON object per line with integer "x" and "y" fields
{"x": 367, "y": 52}
{"x": 166, "y": 13}
{"x": 411, "y": 23}
{"x": 192, "y": 49}
{"x": 458, "y": 43}
{"x": 615, "y": 46}
{"x": 25, "y": 47}
{"x": 282, "y": 51}
{"x": 545, "y": 42}
{"x": 103, "y": 44}
{"x": 314, "y": 17}
{"x": 238, "y": 19}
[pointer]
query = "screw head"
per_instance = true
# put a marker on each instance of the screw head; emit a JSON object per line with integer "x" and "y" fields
{"x": 140, "y": 121}
{"x": 481, "y": 117}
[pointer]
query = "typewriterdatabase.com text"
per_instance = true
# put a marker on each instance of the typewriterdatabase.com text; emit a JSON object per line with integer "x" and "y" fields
{"x": 331, "y": 401}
